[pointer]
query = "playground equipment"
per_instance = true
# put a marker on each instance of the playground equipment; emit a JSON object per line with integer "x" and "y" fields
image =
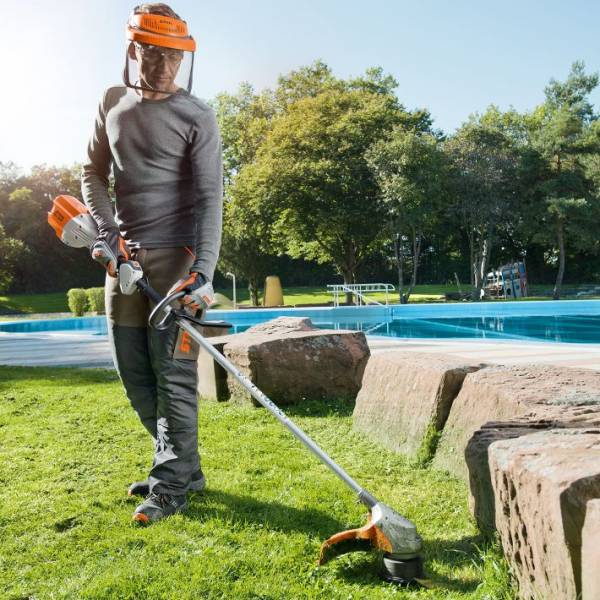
{"x": 508, "y": 281}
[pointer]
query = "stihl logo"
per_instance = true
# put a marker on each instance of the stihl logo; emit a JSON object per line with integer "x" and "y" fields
{"x": 185, "y": 345}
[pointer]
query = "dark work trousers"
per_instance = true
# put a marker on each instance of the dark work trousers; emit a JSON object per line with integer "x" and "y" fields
{"x": 161, "y": 388}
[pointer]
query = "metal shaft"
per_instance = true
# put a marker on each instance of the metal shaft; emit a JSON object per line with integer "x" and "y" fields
{"x": 364, "y": 496}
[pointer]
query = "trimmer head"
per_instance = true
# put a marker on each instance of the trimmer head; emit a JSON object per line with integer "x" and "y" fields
{"x": 402, "y": 571}
{"x": 385, "y": 530}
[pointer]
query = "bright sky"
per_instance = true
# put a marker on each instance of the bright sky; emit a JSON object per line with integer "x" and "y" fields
{"x": 453, "y": 58}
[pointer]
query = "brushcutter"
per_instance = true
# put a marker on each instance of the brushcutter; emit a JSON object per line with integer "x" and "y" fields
{"x": 385, "y": 530}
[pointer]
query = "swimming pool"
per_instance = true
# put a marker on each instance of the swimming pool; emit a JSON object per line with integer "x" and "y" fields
{"x": 574, "y": 321}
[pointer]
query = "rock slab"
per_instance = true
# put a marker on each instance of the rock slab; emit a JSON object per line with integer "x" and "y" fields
{"x": 542, "y": 483}
{"x": 481, "y": 494}
{"x": 590, "y": 552}
{"x": 405, "y": 399}
{"x": 213, "y": 380}
{"x": 504, "y": 393}
{"x": 290, "y": 361}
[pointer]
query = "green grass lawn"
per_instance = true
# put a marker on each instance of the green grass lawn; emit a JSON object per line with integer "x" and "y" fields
{"x": 35, "y": 303}
{"x": 70, "y": 444}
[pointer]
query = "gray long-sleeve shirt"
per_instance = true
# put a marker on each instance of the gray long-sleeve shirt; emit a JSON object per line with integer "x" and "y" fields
{"x": 167, "y": 164}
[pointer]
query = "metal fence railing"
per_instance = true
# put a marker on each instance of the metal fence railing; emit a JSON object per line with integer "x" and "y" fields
{"x": 359, "y": 291}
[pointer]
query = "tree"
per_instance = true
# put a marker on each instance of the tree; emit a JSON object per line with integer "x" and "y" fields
{"x": 484, "y": 162}
{"x": 312, "y": 170}
{"x": 411, "y": 170}
{"x": 244, "y": 119}
{"x": 248, "y": 121}
{"x": 563, "y": 134}
{"x": 306, "y": 82}
{"x": 20, "y": 214}
{"x": 24, "y": 205}
{"x": 11, "y": 251}
{"x": 242, "y": 250}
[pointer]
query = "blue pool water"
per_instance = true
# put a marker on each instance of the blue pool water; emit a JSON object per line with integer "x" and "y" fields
{"x": 564, "y": 321}
{"x": 573, "y": 329}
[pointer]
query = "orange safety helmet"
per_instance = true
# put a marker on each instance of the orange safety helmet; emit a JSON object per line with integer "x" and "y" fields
{"x": 160, "y": 53}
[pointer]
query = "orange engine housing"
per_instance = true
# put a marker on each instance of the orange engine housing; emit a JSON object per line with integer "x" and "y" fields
{"x": 72, "y": 222}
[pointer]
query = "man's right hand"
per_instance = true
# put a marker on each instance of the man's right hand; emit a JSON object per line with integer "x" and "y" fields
{"x": 109, "y": 249}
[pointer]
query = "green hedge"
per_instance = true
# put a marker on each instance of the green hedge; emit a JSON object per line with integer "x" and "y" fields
{"x": 81, "y": 300}
{"x": 77, "y": 299}
{"x": 95, "y": 298}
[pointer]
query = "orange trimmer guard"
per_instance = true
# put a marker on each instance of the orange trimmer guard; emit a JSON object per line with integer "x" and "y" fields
{"x": 367, "y": 537}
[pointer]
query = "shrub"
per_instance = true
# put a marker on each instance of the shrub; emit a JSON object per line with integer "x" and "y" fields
{"x": 77, "y": 300}
{"x": 95, "y": 297}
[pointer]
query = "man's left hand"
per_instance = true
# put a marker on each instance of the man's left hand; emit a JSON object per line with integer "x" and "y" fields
{"x": 199, "y": 293}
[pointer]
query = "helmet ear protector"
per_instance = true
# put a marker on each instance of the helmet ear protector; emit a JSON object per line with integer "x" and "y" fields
{"x": 153, "y": 40}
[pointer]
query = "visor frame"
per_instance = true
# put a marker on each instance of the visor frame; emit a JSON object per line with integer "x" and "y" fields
{"x": 134, "y": 85}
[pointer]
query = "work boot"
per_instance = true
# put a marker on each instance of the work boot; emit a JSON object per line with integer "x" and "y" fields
{"x": 158, "y": 506}
{"x": 142, "y": 488}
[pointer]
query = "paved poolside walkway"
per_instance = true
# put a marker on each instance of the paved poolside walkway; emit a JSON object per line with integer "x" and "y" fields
{"x": 54, "y": 350}
{"x": 82, "y": 350}
{"x": 507, "y": 352}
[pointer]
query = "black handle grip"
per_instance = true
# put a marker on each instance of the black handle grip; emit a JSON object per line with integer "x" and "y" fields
{"x": 159, "y": 318}
{"x": 149, "y": 291}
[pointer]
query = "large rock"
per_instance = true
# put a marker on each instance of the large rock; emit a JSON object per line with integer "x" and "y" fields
{"x": 481, "y": 494}
{"x": 213, "y": 382}
{"x": 590, "y": 552}
{"x": 291, "y": 361}
{"x": 505, "y": 393}
{"x": 406, "y": 397}
{"x": 282, "y": 325}
{"x": 542, "y": 483}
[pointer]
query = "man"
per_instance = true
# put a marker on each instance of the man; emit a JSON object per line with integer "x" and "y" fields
{"x": 165, "y": 151}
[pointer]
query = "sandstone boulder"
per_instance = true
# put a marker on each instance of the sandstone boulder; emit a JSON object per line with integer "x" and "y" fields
{"x": 406, "y": 397}
{"x": 283, "y": 325}
{"x": 213, "y": 383}
{"x": 505, "y": 393}
{"x": 290, "y": 360}
{"x": 481, "y": 494}
{"x": 590, "y": 552}
{"x": 542, "y": 483}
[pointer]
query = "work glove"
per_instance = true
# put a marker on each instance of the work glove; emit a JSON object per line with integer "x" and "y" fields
{"x": 199, "y": 293}
{"x": 109, "y": 249}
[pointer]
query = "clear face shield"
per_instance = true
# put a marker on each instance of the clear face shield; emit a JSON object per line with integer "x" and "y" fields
{"x": 158, "y": 69}
{"x": 159, "y": 54}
